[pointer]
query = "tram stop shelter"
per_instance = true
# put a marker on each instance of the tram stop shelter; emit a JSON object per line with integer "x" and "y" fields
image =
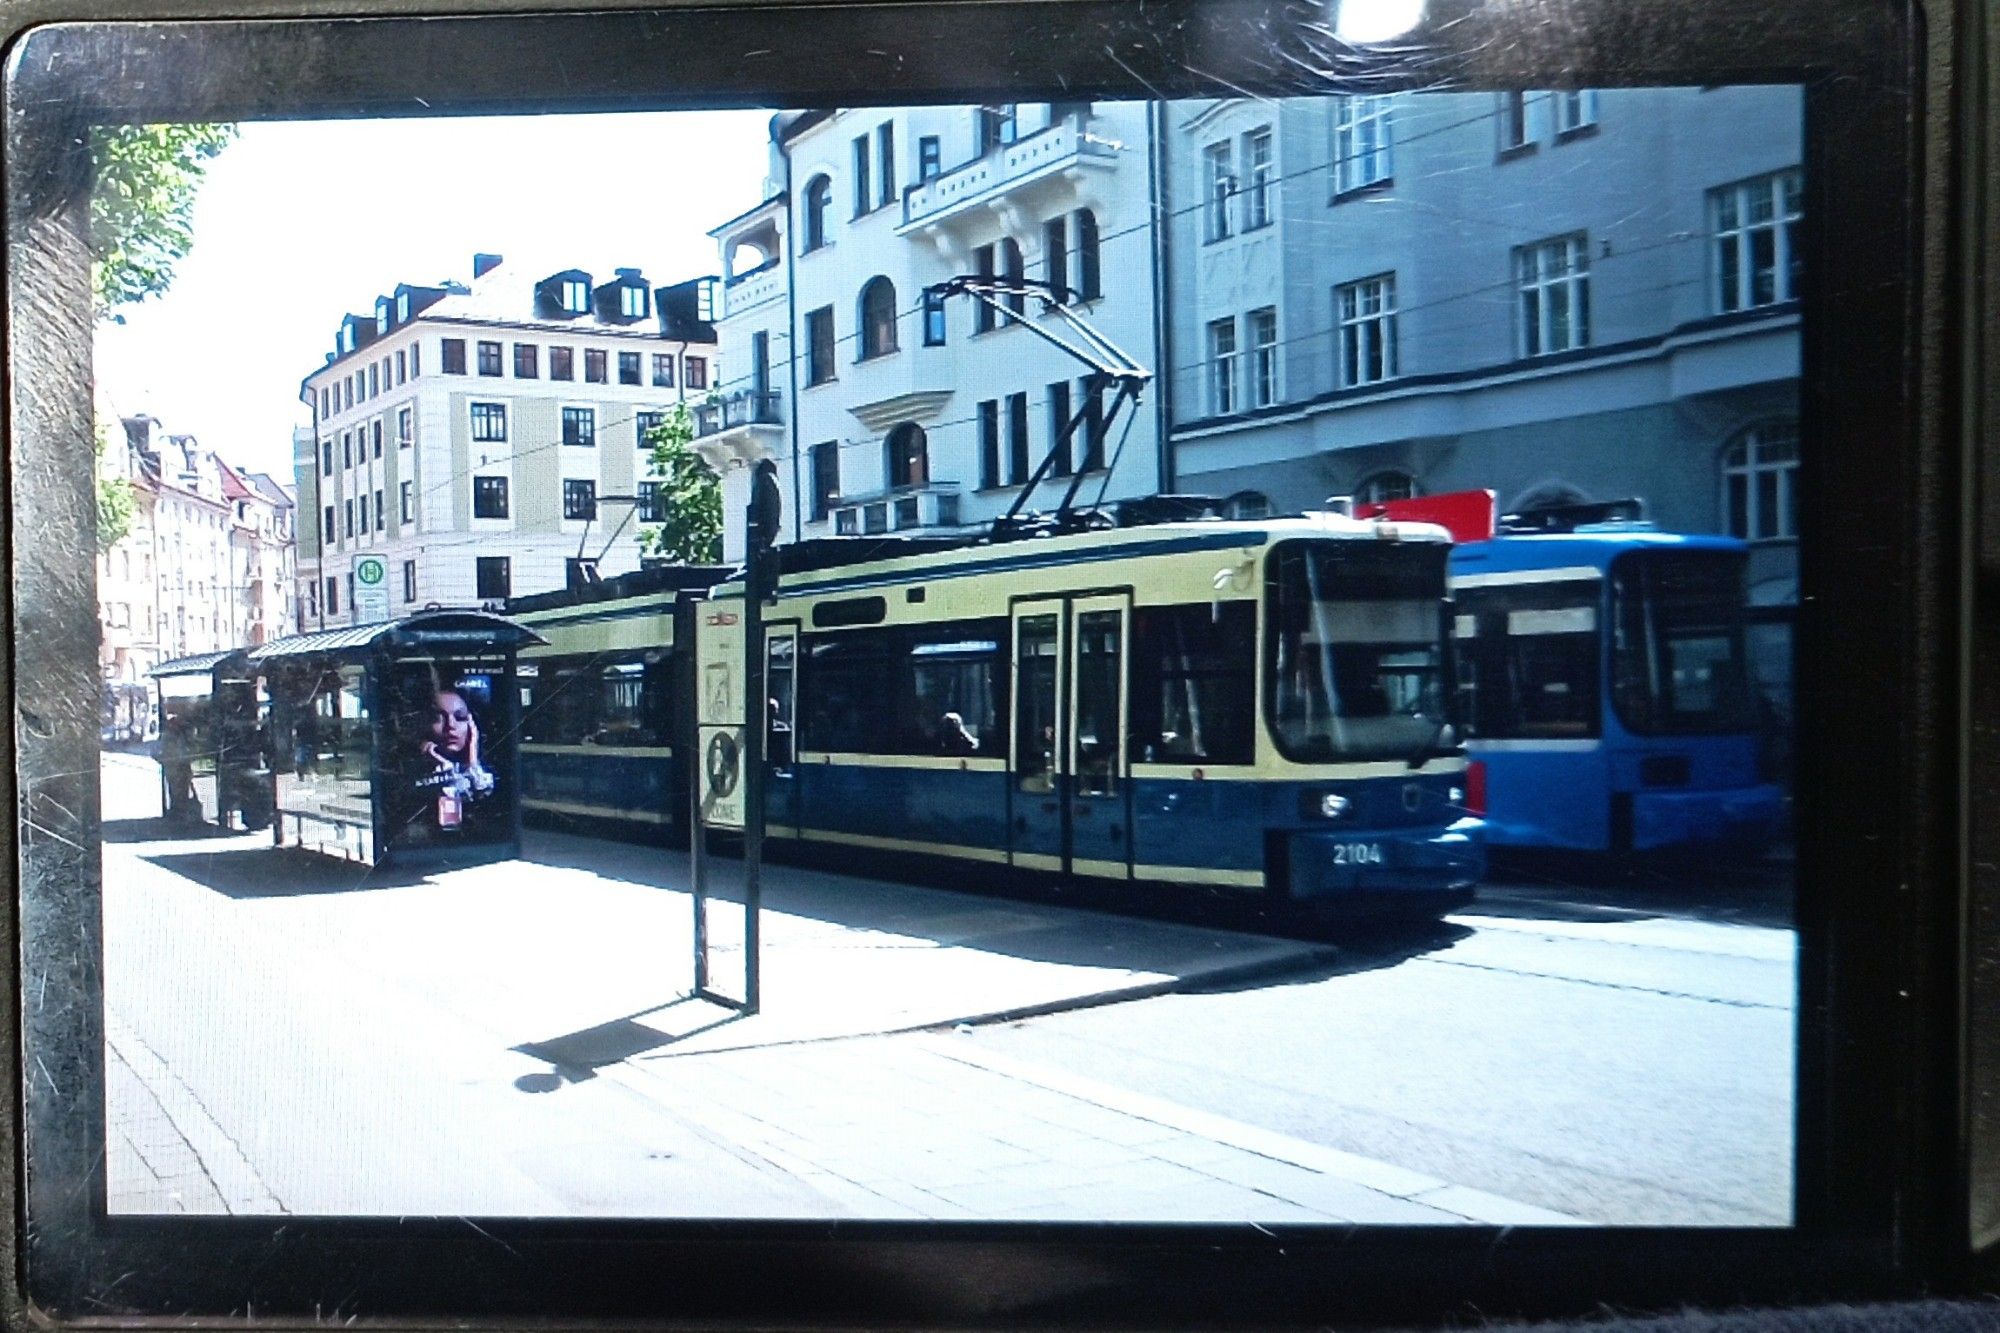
{"x": 394, "y": 743}
{"x": 212, "y": 756}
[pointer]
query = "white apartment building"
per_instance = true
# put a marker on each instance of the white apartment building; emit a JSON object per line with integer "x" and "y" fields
{"x": 887, "y": 410}
{"x": 487, "y": 440}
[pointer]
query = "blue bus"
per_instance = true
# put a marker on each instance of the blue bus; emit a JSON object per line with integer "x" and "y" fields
{"x": 1608, "y": 702}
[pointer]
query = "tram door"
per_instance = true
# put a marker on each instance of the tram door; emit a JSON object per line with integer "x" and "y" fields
{"x": 1069, "y": 789}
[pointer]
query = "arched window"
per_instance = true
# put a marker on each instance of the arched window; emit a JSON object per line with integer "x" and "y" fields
{"x": 1760, "y": 480}
{"x": 1247, "y": 505}
{"x": 909, "y": 462}
{"x": 819, "y": 194}
{"x": 1384, "y": 486}
{"x": 878, "y": 318}
{"x": 1089, "y": 281}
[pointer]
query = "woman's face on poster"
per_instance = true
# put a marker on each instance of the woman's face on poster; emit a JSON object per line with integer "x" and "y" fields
{"x": 451, "y": 722}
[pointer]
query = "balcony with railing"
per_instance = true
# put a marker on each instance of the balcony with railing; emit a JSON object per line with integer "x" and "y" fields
{"x": 933, "y": 506}
{"x": 740, "y": 427}
{"x": 1062, "y": 151}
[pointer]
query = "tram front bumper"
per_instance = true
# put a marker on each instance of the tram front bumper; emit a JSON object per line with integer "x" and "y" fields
{"x": 1426, "y": 859}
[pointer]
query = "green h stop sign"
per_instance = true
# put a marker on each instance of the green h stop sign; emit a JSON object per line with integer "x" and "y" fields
{"x": 369, "y": 571}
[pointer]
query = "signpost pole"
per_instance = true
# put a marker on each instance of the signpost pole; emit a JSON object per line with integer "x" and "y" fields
{"x": 760, "y": 582}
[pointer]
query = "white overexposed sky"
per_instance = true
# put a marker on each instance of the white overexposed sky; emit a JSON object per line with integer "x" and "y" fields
{"x": 301, "y": 223}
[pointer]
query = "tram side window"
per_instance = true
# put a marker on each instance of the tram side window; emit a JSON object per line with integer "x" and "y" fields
{"x": 916, "y": 691}
{"x": 847, "y": 693}
{"x": 1193, "y": 683}
{"x": 559, "y": 703}
{"x": 954, "y": 708}
{"x": 1532, "y": 664}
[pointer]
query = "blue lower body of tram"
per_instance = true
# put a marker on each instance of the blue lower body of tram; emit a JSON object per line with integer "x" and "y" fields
{"x": 1397, "y": 838}
{"x": 1693, "y": 794}
{"x": 636, "y": 795}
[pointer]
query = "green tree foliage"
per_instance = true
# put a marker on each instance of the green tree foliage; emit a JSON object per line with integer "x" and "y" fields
{"x": 114, "y": 501}
{"x": 690, "y": 496}
{"x": 142, "y": 206}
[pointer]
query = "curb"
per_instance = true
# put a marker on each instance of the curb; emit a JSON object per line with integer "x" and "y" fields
{"x": 1383, "y": 1177}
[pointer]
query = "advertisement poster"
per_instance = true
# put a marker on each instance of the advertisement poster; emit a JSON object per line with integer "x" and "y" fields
{"x": 719, "y": 714}
{"x": 444, "y": 770}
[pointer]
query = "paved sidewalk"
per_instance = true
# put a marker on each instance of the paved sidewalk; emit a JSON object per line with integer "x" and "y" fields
{"x": 516, "y": 1040}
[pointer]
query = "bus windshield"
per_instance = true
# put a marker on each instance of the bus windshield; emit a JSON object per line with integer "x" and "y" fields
{"x": 1354, "y": 651}
{"x": 1677, "y": 659}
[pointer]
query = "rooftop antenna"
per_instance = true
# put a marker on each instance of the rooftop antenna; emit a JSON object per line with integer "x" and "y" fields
{"x": 1110, "y": 367}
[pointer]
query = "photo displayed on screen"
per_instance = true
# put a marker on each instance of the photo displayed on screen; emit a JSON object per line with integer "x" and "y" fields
{"x": 1294, "y": 594}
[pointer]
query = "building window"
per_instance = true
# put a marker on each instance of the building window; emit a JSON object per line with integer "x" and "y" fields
{"x": 1361, "y": 143}
{"x": 1055, "y": 256}
{"x": 1017, "y": 438}
{"x": 527, "y": 364}
{"x": 908, "y": 463}
{"x": 1014, "y": 268}
{"x": 489, "y": 497}
{"x": 1219, "y": 187}
{"x": 594, "y": 362}
{"x": 495, "y": 578}
{"x": 982, "y": 313}
{"x": 628, "y": 367}
{"x": 1090, "y": 391}
{"x": 1058, "y": 419}
{"x": 347, "y": 518}
{"x": 347, "y": 449}
{"x": 989, "y": 443}
{"x": 825, "y": 477}
{"x": 864, "y": 197}
{"x": 579, "y": 426}
{"x": 381, "y": 513}
{"x": 562, "y": 363}
{"x": 579, "y": 498}
{"x": 1089, "y": 273}
{"x": 632, "y": 301}
{"x": 1575, "y": 111}
{"x": 878, "y": 316}
{"x": 647, "y": 423}
{"x": 332, "y": 596}
{"x": 489, "y": 423}
{"x": 575, "y": 295}
{"x": 1386, "y": 486}
{"x": 406, "y": 428}
{"x": 489, "y": 358}
{"x": 930, "y": 161}
{"x": 1263, "y": 357}
{"x": 1257, "y": 165}
{"x": 996, "y": 125}
{"x": 885, "y": 164}
{"x": 1222, "y": 366}
{"x": 325, "y": 403}
{"x": 934, "y": 325}
{"x": 819, "y": 193}
{"x": 819, "y": 345}
{"x": 329, "y": 523}
{"x": 402, "y": 367}
{"x": 652, "y": 504}
{"x": 326, "y": 457}
{"x": 1756, "y": 241}
{"x": 1759, "y": 481}
{"x": 409, "y": 580}
{"x": 374, "y": 382}
{"x": 375, "y": 432}
{"x": 663, "y": 370}
{"x": 409, "y": 499}
{"x": 1366, "y": 312}
{"x": 697, "y": 373}
{"x": 1513, "y": 122}
{"x": 1554, "y": 281}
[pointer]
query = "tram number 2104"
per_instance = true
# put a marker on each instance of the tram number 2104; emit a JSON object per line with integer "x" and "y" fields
{"x": 1357, "y": 853}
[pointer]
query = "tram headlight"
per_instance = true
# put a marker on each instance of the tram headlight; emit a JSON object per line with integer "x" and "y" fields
{"x": 1332, "y": 805}
{"x": 1456, "y": 795}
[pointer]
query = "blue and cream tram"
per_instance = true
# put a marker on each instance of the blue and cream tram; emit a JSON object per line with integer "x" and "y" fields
{"x": 1252, "y": 706}
{"x": 599, "y": 701}
{"x": 1608, "y": 697}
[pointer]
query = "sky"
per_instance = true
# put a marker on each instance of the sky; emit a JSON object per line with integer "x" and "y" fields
{"x": 301, "y": 223}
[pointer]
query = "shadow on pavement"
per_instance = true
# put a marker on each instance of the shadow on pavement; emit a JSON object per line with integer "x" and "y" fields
{"x": 158, "y": 829}
{"x": 1366, "y": 948}
{"x": 577, "y": 1056}
{"x": 1746, "y": 891}
{"x": 272, "y": 872}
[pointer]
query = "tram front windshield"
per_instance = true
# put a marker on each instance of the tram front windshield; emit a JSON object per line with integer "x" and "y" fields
{"x": 1677, "y": 656}
{"x": 1354, "y": 650}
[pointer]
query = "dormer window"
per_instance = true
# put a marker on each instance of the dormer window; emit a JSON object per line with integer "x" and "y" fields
{"x": 575, "y": 296}
{"x": 632, "y": 302}
{"x": 381, "y": 316}
{"x": 403, "y": 308}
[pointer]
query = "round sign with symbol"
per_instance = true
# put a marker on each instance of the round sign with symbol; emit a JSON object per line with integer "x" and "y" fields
{"x": 369, "y": 571}
{"x": 721, "y": 764}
